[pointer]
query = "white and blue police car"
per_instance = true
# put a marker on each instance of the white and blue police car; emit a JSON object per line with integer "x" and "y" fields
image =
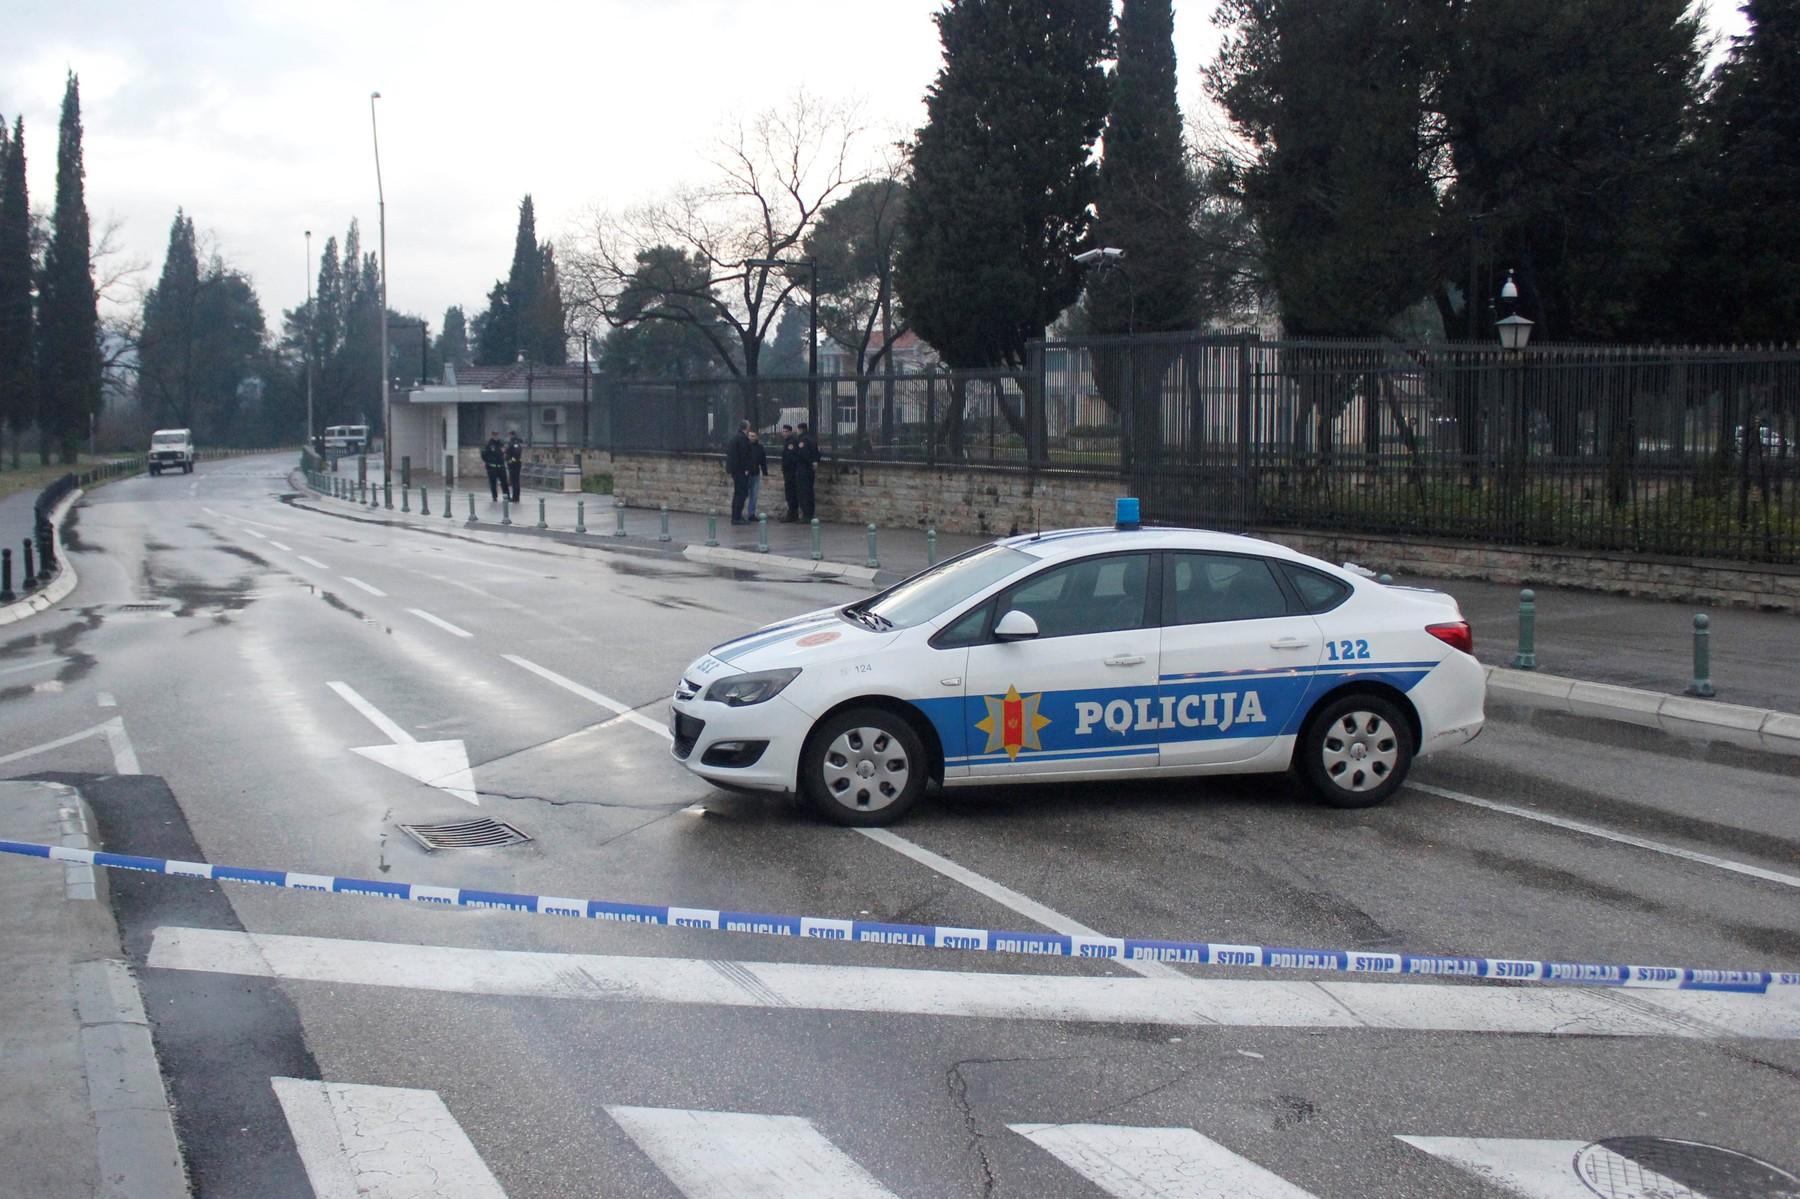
{"x": 1084, "y": 654}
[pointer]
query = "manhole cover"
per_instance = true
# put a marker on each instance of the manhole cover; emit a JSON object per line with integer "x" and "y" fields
{"x": 1659, "y": 1168}
{"x": 465, "y": 834}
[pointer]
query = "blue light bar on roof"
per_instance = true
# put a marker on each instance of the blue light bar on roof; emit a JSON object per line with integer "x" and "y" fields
{"x": 1125, "y": 512}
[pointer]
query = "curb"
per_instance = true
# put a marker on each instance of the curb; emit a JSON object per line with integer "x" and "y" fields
{"x": 1755, "y": 728}
{"x": 139, "y": 1154}
{"x": 59, "y": 586}
{"x": 715, "y": 555}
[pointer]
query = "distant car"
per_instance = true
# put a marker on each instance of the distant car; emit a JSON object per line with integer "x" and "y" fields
{"x": 346, "y": 439}
{"x": 1772, "y": 440}
{"x": 1088, "y": 654}
{"x": 171, "y": 449}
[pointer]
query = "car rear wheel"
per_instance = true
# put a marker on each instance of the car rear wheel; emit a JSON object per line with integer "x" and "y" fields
{"x": 1355, "y": 751}
{"x": 863, "y": 767}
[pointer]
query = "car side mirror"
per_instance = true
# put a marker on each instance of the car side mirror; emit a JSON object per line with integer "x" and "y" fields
{"x": 1015, "y": 626}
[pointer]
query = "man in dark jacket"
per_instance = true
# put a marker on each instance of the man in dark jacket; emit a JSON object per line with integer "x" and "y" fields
{"x": 515, "y": 463}
{"x": 790, "y": 463}
{"x": 806, "y": 461}
{"x": 759, "y": 470}
{"x": 737, "y": 469}
{"x": 493, "y": 456}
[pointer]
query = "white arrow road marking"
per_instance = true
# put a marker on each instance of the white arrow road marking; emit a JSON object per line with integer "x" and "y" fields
{"x": 440, "y": 622}
{"x": 440, "y": 764}
{"x": 1157, "y": 1163}
{"x": 744, "y": 1155}
{"x": 1594, "y": 830}
{"x": 361, "y": 1142}
{"x": 1184, "y": 1002}
{"x": 124, "y": 757}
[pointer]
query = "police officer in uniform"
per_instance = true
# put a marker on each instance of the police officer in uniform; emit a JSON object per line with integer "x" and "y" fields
{"x": 806, "y": 461}
{"x": 493, "y": 456}
{"x": 737, "y": 469}
{"x": 515, "y": 463}
{"x": 790, "y": 464}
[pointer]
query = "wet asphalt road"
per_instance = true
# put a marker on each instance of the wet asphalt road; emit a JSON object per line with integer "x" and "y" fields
{"x": 215, "y": 611}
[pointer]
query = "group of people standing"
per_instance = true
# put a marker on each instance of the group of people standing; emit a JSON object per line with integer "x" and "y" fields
{"x": 747, "y": 465}
{"x": 504, "y": 462}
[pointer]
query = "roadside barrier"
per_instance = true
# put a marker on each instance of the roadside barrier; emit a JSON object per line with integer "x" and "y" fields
{"x": 762, "y": 532}
{"x": 581, "y": 516}
{"x": 874, "y": 562}
{"x": 1702, "y": 682}
{"x": 1197, "y": 953}
{"x": 818, "y": 544}
{"x": 1526, "y": 658}
{"x": 712, "y": 527}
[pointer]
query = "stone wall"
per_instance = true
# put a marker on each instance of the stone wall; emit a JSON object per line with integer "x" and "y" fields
{"x": 974, "y": 500}
{"x": 978, "y": 500}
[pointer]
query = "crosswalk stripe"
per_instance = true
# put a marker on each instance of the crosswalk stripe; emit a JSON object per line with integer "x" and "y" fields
{"x": 363, "y": 1142}
{"x": 1533, "y": 1169}
{"x": 1266, "y": 1003}
{"x": 744, "y": 1155}
{"x": 1157, "y": 1163}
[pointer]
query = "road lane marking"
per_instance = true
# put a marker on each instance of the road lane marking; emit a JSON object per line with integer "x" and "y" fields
{"x": 393, "y": 732}
{"x": 624, "y": 711}
{"x": 1006, "y": 897}
{"x": 381, "y": 1142}
{"x": 255, "y": 534}
{"x": 312, "y": 562}
{"x": 440, "y": 622}
{"x": 1128, "y": 1162}
{"x": 1182, "y": 1002}
{"x": 35, "y": 664}
{"x": 1542, "y": 1169}
{"x": 124, "y": 757}
{"x": 745, "y": 1155}
{"x": 355, "y": 582}
{"x": 284, "y": 548}
{"x": 1594, "y": 830}
{"x": 107, "y": 699}
{"x": 440, "y": 764}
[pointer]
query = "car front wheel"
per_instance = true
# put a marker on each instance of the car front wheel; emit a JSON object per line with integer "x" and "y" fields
{"x": 1355, "y": 751}
{"x": 863, "y": 767}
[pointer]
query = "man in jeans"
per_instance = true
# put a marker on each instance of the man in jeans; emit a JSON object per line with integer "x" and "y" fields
{"x": 759, "y": 470}
{"x": 737, "y": 468}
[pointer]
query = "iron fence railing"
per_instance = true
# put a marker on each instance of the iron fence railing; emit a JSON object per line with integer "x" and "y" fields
{"x": 1675, "y": 451}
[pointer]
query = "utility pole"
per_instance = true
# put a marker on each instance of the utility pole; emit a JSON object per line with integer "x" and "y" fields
{"x": 311, "y": 323}
{"x": 387, "y": 413}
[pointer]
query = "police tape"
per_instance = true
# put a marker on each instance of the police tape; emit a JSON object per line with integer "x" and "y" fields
{"x": 928, "y": 936}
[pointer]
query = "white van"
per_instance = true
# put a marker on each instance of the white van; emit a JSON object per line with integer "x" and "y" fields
{"x": 346, "y": 439}
{"x": 171, "y": 449}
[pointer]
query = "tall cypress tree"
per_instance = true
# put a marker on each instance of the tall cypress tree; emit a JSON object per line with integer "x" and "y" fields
{"x": 1147, "y": 196}
{"x": 328, "y": 332}
{"x": 69, "y": 312}
{"x": 18, "y": 354}
{"x": 524, "y": 281}
{"x": 453, "y": 343}
{"x": 1002, "y": 175}
{"x": 166, "y": 345}
{"x": 549, "y": 344}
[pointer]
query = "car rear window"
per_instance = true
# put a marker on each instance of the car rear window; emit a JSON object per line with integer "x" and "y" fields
{"x": 1318, "y": 592}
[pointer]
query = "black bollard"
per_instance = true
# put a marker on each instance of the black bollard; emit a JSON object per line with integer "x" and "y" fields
{"x": 6, "y": 591}
{"x": 28, "y": 576}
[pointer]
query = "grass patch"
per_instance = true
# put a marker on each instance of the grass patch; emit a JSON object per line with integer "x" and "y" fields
{"x": 33, "y": 477}
{"x": 597, "y": 484}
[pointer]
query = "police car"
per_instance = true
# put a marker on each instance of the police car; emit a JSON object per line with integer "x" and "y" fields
{"x": 1085, "y": 654}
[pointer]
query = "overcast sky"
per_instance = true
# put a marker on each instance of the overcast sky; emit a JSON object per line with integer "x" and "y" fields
{"x": 253, "y": 115}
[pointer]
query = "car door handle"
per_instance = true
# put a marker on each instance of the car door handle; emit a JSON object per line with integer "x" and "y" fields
{"x": 1289, "y": 643}
{"x": 1125, "y": 660}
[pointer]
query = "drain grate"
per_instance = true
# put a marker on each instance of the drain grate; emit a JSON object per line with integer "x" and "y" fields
{"x": 150, "y": 606}
{"x": 465, "y": 834}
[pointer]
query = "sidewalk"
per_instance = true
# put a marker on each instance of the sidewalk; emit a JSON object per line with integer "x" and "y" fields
{"x": 1640, "y": 643}
{"x": 81, "y": 1097}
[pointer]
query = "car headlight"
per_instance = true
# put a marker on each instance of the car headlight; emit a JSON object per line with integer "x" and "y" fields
{"x": 740, "y": 691}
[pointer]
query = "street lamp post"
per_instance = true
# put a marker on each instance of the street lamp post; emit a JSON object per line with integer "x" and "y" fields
{"x": 812, "y": 326}
{"x": 311, "y": 324}
{"x": 387, "y": 423}
{"x": 1514, "y": 332}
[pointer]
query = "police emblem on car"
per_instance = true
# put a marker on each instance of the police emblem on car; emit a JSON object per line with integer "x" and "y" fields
{"x": 1114, "y": 652}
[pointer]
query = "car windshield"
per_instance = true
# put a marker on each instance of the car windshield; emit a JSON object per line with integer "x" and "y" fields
{"x": 945, "y": 586}
{"x": 168, "y": 439}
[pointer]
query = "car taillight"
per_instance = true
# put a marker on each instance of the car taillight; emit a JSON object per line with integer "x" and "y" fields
{"x": 1456, "y": 635}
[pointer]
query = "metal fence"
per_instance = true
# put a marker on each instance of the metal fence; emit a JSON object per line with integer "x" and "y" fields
{"x": 1673, "y": 451}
